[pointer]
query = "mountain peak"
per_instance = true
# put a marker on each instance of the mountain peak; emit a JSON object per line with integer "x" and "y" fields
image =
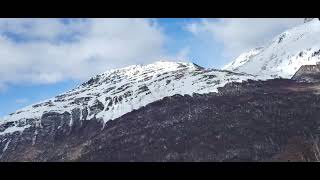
{"x": 110, "y": 95}
{"x": 157, "y": 67}
{"x": 284, "y": 55}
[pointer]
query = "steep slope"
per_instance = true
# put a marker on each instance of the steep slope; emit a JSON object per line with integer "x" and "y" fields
{"x": 114, "y": 93}
{"x": 242, "y": 59}
{"x": 284, "y": 55}
{"x": 274, "y": 120}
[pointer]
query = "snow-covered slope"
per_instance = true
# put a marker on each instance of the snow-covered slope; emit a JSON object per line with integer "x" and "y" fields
{"x": 284, "y": 55}
{"x": 116, "y": 92}
{"x": 242, "y": 59}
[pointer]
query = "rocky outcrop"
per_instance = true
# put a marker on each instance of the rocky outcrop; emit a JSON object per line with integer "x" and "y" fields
{"x": 309, "y": 19}
{"x": 308, "y": 73}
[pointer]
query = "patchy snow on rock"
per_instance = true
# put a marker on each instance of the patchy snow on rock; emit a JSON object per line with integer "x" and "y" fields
{"x": 116, "y": 92}
{"x": 13, "y": 129}
{"x": 6, "y": 146}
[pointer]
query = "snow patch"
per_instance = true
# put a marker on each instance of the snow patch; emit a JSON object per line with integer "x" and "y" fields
{"x": 6, "y": 146}
{"x": 13, "y": 129}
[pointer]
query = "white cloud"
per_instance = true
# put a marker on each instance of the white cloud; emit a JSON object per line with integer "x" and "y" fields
{"x": 240, "y": 34}
{"x": 51, "y": 50}
{"x": 22, "y": 100}
{"x": 182, "y": 55}
{"x": 3, "y": 87}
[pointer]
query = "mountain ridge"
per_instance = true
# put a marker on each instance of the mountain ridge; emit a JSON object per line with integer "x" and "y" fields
{"x": 116, "y": 92}
{"x": 239, "y": 123}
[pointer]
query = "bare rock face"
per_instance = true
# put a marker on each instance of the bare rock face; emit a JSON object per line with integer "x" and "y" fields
{"x": 308, "y": 73}
{"x": 308, "y": 20}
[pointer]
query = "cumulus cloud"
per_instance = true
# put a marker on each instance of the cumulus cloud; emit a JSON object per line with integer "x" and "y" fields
{"x": 241, "y": 34}
{"x": 21, "y": 101}
{"x": 52, "y": 50}
{"x": 3, "y": 87}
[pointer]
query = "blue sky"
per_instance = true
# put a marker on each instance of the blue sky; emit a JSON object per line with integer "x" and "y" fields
{"x": 40, "y": 58}
{"x": 203, "y": 51}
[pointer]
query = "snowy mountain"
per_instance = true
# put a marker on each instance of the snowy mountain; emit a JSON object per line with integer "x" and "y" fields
{"x": 178, "y": 111}
{"x": 273, "y": 120}
{"x": 284, "y": 55}
{"x": 116, "y": 92}
{"x": 242, "y": 59}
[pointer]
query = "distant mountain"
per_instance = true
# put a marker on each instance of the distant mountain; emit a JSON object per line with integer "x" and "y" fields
{"x": 284, "y": 55}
